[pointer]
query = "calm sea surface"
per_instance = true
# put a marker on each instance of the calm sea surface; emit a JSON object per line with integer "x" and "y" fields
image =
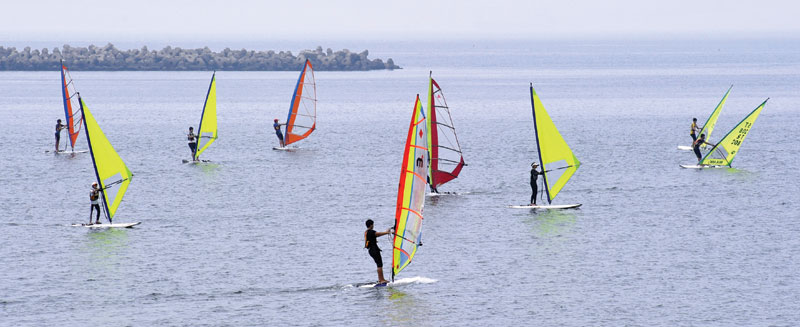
{"x": 260, "y": 237}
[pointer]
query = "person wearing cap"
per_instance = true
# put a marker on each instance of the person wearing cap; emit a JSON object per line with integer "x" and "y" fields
{"x": 192, "y": 142}
{"x": 696, "y": 146}
{"x": 59, "y": 127}
{"x": 94, "y": 196}
{"x": 371, "y": 243}
{"x": 695, "y": 129}
{"x": 534, "y": 182}
{"x": 277, "y": 127}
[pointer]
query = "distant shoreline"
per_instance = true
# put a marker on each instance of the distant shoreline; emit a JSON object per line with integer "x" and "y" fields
{"x": 109, "y": 58}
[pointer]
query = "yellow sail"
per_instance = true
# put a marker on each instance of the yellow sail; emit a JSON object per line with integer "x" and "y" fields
{"x": 722, "y": 153}
{"x": 207, "y": 131}
{"x": 557, "y": 160}
{"x": 112, "y": 174}
{"x": 708, "y": 127}
{"x": 411, "y": 192}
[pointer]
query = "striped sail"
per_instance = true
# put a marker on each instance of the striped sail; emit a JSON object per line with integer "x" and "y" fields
{"x": 555, "y": 157}
{"x": 112, "y": 174}
{"x": 302, "y": 120}
{"x": 207, "y": 130}
{"x": 446, "y": 156}
{"x": 71, "y": 106}
{"x": 411, "y": 192}
{"x": 725, "y": 150}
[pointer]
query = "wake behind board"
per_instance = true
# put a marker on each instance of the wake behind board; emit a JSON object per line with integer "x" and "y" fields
{"x": 117, "y": 225}
{"x": 702, "y": 166}
{"x": 552, "y": 206}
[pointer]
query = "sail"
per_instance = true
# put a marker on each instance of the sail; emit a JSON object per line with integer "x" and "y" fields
{"x": 302, "y": 118}
{"x": 112, "y": 174}
{"x": 708, "y": 127}
{"x": 725, "y": 150}
{"x": 446, "y": 156}
{"x": 207, "y": 130}
{"x": 556, "y": 158}
{"x": 411, "y": 192}
{"x": 71, "y": 106}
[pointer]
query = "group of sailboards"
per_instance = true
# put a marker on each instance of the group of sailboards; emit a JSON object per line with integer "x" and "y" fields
{"x": 722, "y": 153}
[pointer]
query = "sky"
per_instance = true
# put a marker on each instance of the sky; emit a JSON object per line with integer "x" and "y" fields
{"x": 143, "y": 20}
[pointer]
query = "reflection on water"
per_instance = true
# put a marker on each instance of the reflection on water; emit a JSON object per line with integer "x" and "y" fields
{"x": 404, "y": 309}
{"x": 549, "y": 223}
{"x": 104, "y": 245}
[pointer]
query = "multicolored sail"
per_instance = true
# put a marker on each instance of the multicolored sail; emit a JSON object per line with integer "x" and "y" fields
{"x": 112, "y": 174}
{"x": 708, "y": 127}
{"x": 71, "y": 106}
{"x": 302, "y": 118}
{"x": 207, "y": 130}
{"x": 556, "y": 158}
{"x": 411, "y": 193}
{"x": 725, "y": 150}
{"x": 446, "y": 157}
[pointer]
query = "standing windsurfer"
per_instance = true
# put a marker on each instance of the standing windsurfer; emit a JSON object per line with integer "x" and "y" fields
{"x": 59, "y": 127}
{"x": 192, "y": 138}
{"x": 277, "y": 127}
{"x": 371, "y": 243}
{"x": 696, "y": 146}
{"x": 94, "y": 197}
{"x": 695, "y": 129}
{"x": 534, "y": 182}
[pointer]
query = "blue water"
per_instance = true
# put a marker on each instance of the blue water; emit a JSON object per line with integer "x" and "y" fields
{"x": 261, "y": 237}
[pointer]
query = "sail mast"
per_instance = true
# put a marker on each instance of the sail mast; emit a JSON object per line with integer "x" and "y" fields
{"x": 433, "y": 146}
{"x": 538, "y": 146}
{"x": 200, "y": 146}
{"x": 94, "y": 162}
{"x": 708, "y": 126}
{"x": 300, "y": 125}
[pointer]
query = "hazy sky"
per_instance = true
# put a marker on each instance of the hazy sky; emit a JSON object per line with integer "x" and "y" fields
{"x": 109, "y": 20}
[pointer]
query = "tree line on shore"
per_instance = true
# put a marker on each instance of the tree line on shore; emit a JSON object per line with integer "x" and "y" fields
{"x": 109, "y": 58}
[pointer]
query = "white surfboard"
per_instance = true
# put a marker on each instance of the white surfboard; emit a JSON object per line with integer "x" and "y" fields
{"x": 684, "y": 148}
{"x": 117, "y": 225}
{"x": 194, "y": 162}
{"x": 702, "y": 166}
{"x": 67, "y": 151}
{"x": 286, "y": 148}
{"x": 552, "y": 206}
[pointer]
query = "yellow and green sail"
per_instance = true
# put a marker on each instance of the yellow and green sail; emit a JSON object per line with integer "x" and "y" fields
{"x": 112, "y": 174}
{"x": 207, "y": 130}
{"x": 708, "y": 127}
{"x": 725, "y": 150}
{"x": 556, "y": 158}
{"x": 411, "y": 192}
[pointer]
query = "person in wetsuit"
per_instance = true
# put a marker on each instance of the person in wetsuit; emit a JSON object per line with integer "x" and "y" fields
{"x": 277, "y": 127}
{"x": 94, "y": 197}
{"x": 192, "y": 138}
{"x": 695, "y": 129}
{"x": 59, "y": 127}
{"x": 696, "y": 146}
{"x": 371, "y": 243}
{"x": 534, "y": 182}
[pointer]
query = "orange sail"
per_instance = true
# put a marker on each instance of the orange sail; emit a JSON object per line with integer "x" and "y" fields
{"x": 71, "y": 106}
{"x": 302, "y": 120}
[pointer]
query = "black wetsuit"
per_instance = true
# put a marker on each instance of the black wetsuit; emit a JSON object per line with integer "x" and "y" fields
{"x": 534, "y": 185}
{"x": 94, "y": 196}
{"x": 371, "y": 243}
{"x": 59, "y": 127}
{"x": 696, "y": 147}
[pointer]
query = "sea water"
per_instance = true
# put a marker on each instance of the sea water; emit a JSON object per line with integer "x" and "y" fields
{"x": 263, "y": 237}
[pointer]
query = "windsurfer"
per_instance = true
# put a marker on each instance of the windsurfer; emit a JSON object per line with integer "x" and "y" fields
{"x": 371, "y": 243}
{"x": 94, "y": 196}
{"x": 534, "y": 182}
{"x": 696, "y": 146}
{"x": 192, "y": 142}
{"x": 277, "y": 127}
{"x": 59, "y": 127}
{"x": 695, "y": 129}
